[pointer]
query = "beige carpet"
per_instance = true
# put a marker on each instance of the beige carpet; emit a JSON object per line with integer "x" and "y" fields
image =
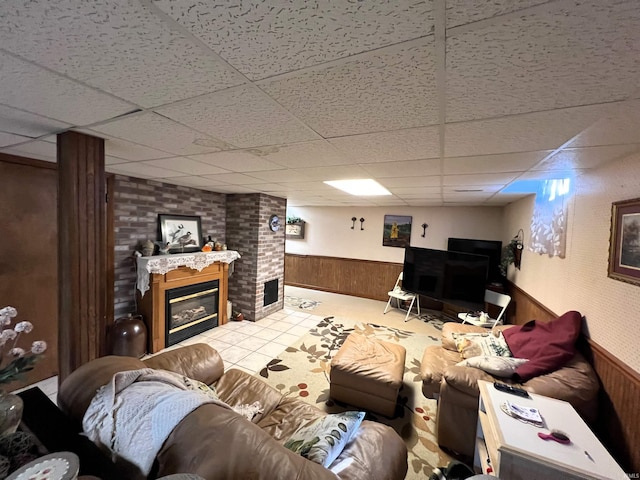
{"x": 302, "y": 370}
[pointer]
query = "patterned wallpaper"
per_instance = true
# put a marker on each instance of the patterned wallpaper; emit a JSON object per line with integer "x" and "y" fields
{"x": 579, "y": 281}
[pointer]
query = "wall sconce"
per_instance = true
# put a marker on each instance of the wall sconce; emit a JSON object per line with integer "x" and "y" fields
{"x": 517, "y": 244}
{"x": 361, "y": 222}
{"x": 353, "y": 224}
{"x": 424, "y": 229}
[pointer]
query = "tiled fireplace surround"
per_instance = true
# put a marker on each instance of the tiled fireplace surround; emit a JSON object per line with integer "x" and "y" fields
{"x": 239, "y": 220}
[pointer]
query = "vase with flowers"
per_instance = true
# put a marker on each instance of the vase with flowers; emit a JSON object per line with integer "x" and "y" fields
{"x": 14, "y": 362}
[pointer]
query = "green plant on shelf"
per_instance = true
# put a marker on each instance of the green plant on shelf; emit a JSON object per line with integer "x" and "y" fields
{"x": 294, "y": 220}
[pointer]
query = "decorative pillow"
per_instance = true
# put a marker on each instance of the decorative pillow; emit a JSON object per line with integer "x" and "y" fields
{"x": 497, "y": 366}
{"x": 476, "y": 344}
{"x": 323, "y": 440}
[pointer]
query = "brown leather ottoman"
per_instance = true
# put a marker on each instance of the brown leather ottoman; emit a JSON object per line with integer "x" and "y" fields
{"x": 367, "y": 373}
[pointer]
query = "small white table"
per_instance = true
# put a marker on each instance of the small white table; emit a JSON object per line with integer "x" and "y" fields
{"x": 514, "y": 451}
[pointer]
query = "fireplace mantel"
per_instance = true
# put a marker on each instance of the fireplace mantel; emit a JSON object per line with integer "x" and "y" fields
{"x": 165, "y": 263}
{"x": 152, "y": 305}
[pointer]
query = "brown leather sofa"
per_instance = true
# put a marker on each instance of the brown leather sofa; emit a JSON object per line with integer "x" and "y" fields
{"x": 456, "y": 388}
{"x": 217, "y": 443}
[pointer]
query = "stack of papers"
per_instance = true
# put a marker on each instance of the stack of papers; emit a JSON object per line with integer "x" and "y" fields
{"x": 526, "y": 414}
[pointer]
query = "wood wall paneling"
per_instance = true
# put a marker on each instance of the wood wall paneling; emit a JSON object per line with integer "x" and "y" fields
{"x": 81, "y": 250}
{"x": 28, "y": 255}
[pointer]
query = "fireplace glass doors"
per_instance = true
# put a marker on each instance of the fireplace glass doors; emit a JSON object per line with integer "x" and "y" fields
{"x": 191, "y": 310}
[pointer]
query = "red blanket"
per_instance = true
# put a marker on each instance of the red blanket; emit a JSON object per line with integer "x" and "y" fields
{"x": 547, "y": 346}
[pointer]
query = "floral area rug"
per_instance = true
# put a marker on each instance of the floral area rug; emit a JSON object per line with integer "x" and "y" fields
{"x": 302, "y": 370}
{"x": 295, "y": 302}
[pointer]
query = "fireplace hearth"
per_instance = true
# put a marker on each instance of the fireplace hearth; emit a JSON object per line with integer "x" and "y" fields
{"x": 191, "y": 310}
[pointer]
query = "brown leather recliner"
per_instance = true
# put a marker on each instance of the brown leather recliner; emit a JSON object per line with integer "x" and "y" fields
{"x": 456, "y": 388}
{"x": 217, "y": 443}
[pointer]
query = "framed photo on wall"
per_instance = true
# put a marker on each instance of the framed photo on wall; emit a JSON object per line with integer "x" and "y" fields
{"x": 397, "y": 231}
{"x": 294, "y": 230}
{"x": 183, "y": 233}
{"x": 624, "y": 244}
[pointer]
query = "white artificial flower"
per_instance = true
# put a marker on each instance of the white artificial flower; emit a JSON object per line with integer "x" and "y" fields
{"x": 5, "y": 320}
{"x": 9, "y": 311}
{"x": 38, "y": 347}
{"x": 17, "y": 352}
{"x": 8, "y": 334}
{"x": 23, "y": 327}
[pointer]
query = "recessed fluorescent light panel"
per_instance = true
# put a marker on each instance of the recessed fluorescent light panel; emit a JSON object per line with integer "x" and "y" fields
{"x": 361, "y": 187}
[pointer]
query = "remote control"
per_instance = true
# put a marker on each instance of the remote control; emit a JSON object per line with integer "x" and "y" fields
{"x": 503, "y": 387}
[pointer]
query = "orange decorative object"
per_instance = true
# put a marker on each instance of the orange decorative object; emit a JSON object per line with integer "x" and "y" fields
{"x": 206, "y": 248}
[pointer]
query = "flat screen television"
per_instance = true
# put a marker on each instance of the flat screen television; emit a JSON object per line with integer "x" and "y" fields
{"x": 490, "y": 248}
{"x": 452, "y": 277}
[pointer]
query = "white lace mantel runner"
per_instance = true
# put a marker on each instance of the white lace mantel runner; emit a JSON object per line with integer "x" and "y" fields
{"x": 165, "y": 263}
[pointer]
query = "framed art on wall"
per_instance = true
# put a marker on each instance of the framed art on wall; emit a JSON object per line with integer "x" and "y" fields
{"x": 624, "y": 244}
{"x": 183, "y": 233}
{"x": 397, "y": 231}
{"x": 294, "y": 230}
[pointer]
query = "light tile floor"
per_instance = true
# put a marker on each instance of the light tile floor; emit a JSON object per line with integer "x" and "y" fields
{"x": 246, "y": 345}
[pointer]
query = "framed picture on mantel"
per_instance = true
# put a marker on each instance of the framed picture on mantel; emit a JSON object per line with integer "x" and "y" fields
{"x": 183, "y": 233}
{"x": 624, "y": 245}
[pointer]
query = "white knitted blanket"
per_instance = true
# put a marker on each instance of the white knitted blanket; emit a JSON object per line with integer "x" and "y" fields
{"x": 134, "y": 414}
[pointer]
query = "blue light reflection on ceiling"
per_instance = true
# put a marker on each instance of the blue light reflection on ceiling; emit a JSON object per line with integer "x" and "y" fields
{"x": 548, "y": 187}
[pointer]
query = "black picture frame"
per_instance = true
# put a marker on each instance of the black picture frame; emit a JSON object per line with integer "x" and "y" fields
{"x": 183, "y": 233}
{"x": 624, "y": 252}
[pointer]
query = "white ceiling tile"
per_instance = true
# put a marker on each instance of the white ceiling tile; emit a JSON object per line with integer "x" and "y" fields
{"x": 267, "y": 187}
{"x": 587, "y": 157}
{"x": 424, "y": 203}
{"x": 7, "y": 139}
{"x": 520, "y": 133}
{"x": 233, "y": 189}
{"x": 139, "y": 169}
{"x": 397, "y": 145}
{"x": 460, "y": 12}
{"x": 479, "y": 179}
{"x": 566, "y": 54}
{"x": 621, "y": 125}
{"x": 262, "y": 39}
{"x": 472, "y": 189}
{"x": 153, "y": 130}
{"x": 282, "y": 176}
{"x": 242, "y": 116}
{"x": 416, "y": 191}
{"x": 338, "y": 172}
{"x": 508, "y": 162}
{"x": 28, "y": 87}
{"x": 193, "y": 181}
{"x": 131, "y": 151}
{"x": 235, "y": 179}
{"x": 551, "y": 174}
{"x": 186, "y": 165}
{"x": 237, "y": 161}
{"x": 108, "y": 160}
{"x": 433, "y": 181}
{"x": 421, "y": 168}
{"x": 388, "y": 89}
{"x": 37, "y": 149}
{"x": 28, "y": 124}
{"x": 119, "y": 47}
{"x": 318, "y": 153}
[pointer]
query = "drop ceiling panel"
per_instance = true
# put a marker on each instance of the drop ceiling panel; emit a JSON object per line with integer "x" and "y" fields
{"x": 235, "y": 179}
{"x": 28, "y": 87}
{"x": 621, "y": 126}
{"x": 565, "y": 54}
{"x": 140, "y": 170}
{"x": 7, "y": 139}
{"x": 119, "y": 47}
{"x": 460, "y": 12}
{"x": 338, "y": 172}
{"x": 232, "y": 189}
{"x": 283, "y": 176}
{"x": 28, "y": 124}
{"x": 588, "y": 157}
{"x": 479, "y": 179}
{"x": 39, "y": 150}
{"x": 551, "y": 174}
{"x": 242, "y": 116}
{"x": 192, "y": 181}
{"x": 509, "y": 162}
{"x": 416, "y": 191}
{"x": 131, "y": 151}
{"x": 433, "y": 181}
{"x": 237, "y": 161}
{"x": 387, "y": 89}
{"x": 308, "y": 154}
{"x": 520, "y": 133}
{"x": 186, "y": 165}
{"x": 263, "y": 39}
{"x": 472, "y": 189}
{"x": 397, "y": 145}
{"x": 403, "y": 169}
{"x": 156, "y": 131}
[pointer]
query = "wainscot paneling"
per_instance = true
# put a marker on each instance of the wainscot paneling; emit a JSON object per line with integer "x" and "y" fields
{"x": 359, "y": 278}
{"x": 618, "y": 425}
